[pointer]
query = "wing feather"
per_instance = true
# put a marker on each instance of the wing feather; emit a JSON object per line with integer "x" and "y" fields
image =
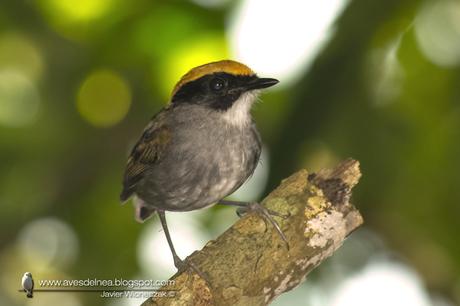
{"x": 147, "y": 151}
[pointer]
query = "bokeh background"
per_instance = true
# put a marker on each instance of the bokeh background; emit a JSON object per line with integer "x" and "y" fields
{"x": 375, "y": 80}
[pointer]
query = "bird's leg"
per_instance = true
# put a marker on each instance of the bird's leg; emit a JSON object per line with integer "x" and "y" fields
{"x": 244, "y": 207}
{"x": 178, "y": 263}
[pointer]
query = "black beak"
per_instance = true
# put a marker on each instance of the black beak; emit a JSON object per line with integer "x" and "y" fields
{"x": 259, "y": 83}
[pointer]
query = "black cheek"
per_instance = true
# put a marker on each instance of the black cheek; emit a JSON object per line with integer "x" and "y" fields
{"x": 225, "y": 102}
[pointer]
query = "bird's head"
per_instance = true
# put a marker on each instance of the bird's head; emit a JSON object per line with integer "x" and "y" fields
{"x": 28, "y": 274}
{"x": 225, "y": 86}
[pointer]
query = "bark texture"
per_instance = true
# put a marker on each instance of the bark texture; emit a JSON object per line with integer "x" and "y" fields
{"x": 249, "y": 264}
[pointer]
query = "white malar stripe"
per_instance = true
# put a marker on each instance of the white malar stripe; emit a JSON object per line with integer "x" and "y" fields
{"x": 240, "y": 113}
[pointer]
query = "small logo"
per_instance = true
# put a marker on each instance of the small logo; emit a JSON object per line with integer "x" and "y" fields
{"x": 28, "y": 284}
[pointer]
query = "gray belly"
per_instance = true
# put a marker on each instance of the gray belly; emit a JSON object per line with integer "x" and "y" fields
{"x": 200, "y": 168}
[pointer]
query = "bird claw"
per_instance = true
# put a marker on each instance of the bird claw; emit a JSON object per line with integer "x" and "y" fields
{"x": 267, "y": 214}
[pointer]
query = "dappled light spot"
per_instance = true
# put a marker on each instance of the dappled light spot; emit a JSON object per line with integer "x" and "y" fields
{"x": 70, "y": 11}
{"x": 198, "y": 51}
{"x": 48, "y": 242}
{"x": 19, "y": 53}
{"x": 281, "y": 38}
{"x": 104, "y": 98}
{"x": 79, "y": 20}
{"x": 382, "y": 283}
{"x": 19, "y": 98}
{"x": 437, "y": 29}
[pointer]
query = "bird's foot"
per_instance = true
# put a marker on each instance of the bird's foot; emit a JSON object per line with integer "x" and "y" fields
{"x": 254, "y": 206}
{"x": 266, "y": 214}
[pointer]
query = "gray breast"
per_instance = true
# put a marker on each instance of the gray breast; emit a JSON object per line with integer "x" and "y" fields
{"x": 207, "y": 160}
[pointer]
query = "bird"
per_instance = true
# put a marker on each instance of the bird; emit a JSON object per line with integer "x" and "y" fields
{"x": 199, "y": 148}
{"x": 28, "y": 284}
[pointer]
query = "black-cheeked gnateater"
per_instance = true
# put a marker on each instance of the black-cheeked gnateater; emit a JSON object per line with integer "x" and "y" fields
{"x": 200, "y": 148}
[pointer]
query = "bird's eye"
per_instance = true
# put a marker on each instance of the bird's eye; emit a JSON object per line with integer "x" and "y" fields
{"x": 217, "y": 84}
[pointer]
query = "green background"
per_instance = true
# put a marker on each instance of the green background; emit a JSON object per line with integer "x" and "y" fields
{"x": 80, "y": 79}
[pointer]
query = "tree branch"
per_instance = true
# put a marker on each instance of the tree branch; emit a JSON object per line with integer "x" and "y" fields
{"x": 250, "y": 265}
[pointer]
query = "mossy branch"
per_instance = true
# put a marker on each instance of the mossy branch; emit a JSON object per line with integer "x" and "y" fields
{"x": 250, "y": 265}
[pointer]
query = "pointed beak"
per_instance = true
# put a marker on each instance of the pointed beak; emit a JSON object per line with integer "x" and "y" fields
{"x": 259, "y": 83}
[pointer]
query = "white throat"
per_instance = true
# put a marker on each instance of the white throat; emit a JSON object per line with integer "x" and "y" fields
{"x": 239, "y": 114}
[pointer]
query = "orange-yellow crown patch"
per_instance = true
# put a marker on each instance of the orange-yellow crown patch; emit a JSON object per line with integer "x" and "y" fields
{"x": 227, "y": 66}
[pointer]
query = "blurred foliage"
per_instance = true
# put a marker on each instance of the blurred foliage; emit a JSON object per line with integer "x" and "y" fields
{"x": 80, "y": 79}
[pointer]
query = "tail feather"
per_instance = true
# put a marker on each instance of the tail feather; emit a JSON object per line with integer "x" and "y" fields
{"x": 142, "y": 211}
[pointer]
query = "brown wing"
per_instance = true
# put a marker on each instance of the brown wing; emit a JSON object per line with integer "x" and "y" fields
{"x": 146, "y": 152}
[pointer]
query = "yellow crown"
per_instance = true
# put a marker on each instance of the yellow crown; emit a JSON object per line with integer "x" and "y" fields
{"x": 228, "y": 66}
